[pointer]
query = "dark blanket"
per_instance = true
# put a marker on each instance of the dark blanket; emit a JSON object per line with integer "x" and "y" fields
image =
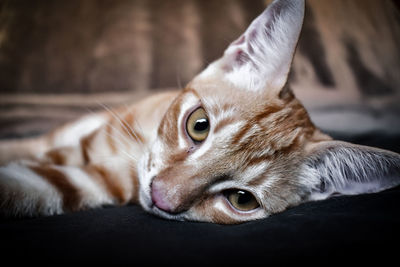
{"x": 359, "y": 229}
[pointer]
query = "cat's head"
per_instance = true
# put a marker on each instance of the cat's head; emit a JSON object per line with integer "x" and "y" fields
{"x": 236, "y": 145}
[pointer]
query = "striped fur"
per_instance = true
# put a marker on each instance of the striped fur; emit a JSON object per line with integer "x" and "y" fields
{"x": 261, "y": 141}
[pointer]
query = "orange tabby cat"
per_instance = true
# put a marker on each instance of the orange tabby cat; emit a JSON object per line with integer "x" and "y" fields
{"x": 234, "y": 145}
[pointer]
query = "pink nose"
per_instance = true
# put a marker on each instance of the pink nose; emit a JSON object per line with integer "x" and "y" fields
{"x": 158, "y": 196}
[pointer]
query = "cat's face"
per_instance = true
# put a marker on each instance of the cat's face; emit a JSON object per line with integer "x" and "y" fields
{"x": 236, "y": 145}
{"x": 218, "y": 154}
{"x": 226, "y": 156}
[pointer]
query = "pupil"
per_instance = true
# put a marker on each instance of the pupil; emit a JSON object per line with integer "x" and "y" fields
{"x": 244, "y": 197}
{"x": 201, "y": 125}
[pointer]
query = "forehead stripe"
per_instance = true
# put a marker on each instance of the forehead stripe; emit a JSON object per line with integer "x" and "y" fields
{"x": 223, "y": 123}
{"x": 168, "y": 129}
{"x": 255, "y": 120}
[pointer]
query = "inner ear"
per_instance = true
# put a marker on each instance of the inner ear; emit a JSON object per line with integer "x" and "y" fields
{"x": 261, "y": 57}
{"x": 335, "y": 167}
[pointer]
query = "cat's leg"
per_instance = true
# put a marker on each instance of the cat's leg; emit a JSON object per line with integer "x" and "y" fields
{"x": 28, "y": 148}
{"x": 67, "y": 135}
{"x": 96, "y": 169}
{"x": 29, "y": 188}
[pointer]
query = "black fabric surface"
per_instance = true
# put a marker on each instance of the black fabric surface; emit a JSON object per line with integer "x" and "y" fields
{"x": 340, "y": 230}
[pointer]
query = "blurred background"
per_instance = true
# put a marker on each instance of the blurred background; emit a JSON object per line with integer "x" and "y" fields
{"x": 59, "y": 59}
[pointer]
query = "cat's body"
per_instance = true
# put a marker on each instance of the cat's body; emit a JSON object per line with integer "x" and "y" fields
{"x": 104, "y": 146}
{"x": 234, "y": 145}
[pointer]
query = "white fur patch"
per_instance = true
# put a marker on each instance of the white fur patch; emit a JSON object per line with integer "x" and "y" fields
{"x": 71, "y": 135}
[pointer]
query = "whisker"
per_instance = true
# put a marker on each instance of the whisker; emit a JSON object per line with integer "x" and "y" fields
{"x": 125, "y": 153}
{"x": 127, "y": 140}
{"x": 129, "y": 156}
{"x": 107, "y": 160}
{"x": 124, "y": 124}
{"x": 115, "y": 139}
{"x": 121, "y": 148}
{"x": 137, "y": 124}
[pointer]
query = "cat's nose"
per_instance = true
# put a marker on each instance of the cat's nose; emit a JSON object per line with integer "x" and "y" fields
{"x": 159, "y": 196}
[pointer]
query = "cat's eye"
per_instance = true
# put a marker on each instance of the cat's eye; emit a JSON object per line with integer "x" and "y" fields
{"x": 241, "y": 200}
{"x": 197, "y": 125}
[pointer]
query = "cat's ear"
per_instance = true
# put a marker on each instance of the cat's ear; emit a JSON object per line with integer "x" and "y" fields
{"x": 335, "y": 167}
{"x": 261, "y": 57}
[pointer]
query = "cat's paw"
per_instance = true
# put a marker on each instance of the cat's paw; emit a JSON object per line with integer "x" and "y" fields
{"x": 24, "y": 194}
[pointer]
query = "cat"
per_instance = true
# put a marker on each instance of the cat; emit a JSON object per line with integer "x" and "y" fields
{"x": 234, "y": 145}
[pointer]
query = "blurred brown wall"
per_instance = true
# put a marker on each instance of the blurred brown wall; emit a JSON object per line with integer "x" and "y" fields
{"x": 106, "y": 45}
{"x": 132, "y": 45}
